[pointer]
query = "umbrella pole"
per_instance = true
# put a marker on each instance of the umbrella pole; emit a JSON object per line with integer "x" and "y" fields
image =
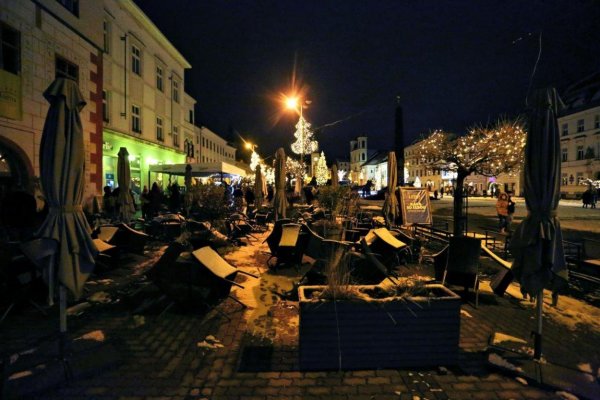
{"x": 537, "y": 335}
{"x": 62, "y": 293}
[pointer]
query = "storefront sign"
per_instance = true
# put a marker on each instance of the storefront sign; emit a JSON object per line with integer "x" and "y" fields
{"x": 415, "y": 206}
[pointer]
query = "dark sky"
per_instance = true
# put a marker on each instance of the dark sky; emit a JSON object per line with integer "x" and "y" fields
{"x": 454, "y": 63}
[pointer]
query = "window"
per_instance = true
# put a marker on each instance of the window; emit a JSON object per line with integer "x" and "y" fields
{"x": 564, "y": 154}
{"x": 159, "y": 78}
{"x": 106, "y": 37}
{"x": 10, "y": 50}
{"x": 176, "y": 136}
{"x": 136, "y": 60}
{"x": 580, "y": 152}
{"x": 159, "y": 129}
{"x": 564, "y": 181}
{"x": 579, "y": 177}
{"x": 136, "y": 124}
{"x": 363, "y": 156}
{"x": 191, "y": 116}
{"x": 176, "y": 91}
{"x": 105, "y": 105}
{"x": 71, "y": 5}
{"x": 597, "y": 121}
{"x": 66, "y": 69}
{"x": 580, "y": 125}
{"x": 565, "y": 129}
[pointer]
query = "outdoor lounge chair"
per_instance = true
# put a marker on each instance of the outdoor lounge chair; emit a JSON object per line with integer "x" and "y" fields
{"x": 217, "y": 274}
{"x": 275, "y": 235}
{"x": 390, "y": 250}
{"x": 20, "y": 272}
{"x": 290, "y": 249}
{"x": 108, "y": 254}
{"x": 462, "y": 264}
{"x": 374, "y": 270}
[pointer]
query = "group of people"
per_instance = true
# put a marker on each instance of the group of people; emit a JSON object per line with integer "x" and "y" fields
{"x": 590, "y": 197}
{"x": 505, "y": 208}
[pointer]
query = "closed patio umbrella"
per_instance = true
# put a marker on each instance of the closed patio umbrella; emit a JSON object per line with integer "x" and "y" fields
{"x": 187, "y": 178}
{"x": 334, "y": 176}
{"x": 259, "y": 195}
{"x": 62, "y": 158}
{"x": 390, "y": 205}
{"x": 280, "y": 201}
{"x": 124, "y": 199}
{"x": 537, "y": 241}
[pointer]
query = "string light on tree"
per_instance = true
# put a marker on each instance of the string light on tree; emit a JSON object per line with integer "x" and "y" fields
{"x": 487, "y": 151}
{"x": 321, "y": 170}
{"x": 305, "y": 143}
{"x": 254, "y": 160}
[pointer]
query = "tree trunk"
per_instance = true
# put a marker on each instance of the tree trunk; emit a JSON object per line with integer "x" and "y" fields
{"x": 458, "y": 204}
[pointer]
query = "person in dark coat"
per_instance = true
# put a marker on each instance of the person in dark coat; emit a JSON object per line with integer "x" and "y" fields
{"x": 249, "y": 195}
{"x": 175, "y": 199}
{"x": 270, "y": 193}
{"x": 155, "y": 199}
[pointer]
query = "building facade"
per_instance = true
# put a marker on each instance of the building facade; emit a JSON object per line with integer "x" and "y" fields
{"x": 145, "y": 107}
{"x": 420, "y": 174}
{"x": 358, "y": 155}
{"x": 579, "y": 126}
{"x": 130, "y": 75}
{"x": 43, "y": 40}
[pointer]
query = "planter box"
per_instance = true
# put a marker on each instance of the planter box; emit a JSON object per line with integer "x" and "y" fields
{"x": 379, "y": 333}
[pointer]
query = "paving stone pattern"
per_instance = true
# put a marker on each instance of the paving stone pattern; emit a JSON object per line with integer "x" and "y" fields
{"x": 161, "y": 358}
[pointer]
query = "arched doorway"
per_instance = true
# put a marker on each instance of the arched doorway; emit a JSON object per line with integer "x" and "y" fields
{"x": 15, "y": 169}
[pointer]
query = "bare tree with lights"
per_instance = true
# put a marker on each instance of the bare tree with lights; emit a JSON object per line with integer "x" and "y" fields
{"x": 321, "y": 170}
{"x": 487, "y": 151}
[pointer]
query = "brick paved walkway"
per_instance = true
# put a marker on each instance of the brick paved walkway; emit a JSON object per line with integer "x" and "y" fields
{"x": 161, "y": 358}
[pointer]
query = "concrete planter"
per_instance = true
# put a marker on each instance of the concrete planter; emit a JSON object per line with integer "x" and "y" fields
{"x": 379, "y": 332}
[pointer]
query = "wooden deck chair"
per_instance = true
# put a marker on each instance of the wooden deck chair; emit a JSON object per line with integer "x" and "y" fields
{"x": 388, "y": 248}
{"x": 376, "y": 269}
{"x": 275, "y": 236}
{"x": 289, "y": 250}
{"x": 108, "y": 254}
{"x": 129, "y": 239}
{"x": 20, "y": 272}
{"x": 462, "y": 265}
{"x": 217, "y": 274}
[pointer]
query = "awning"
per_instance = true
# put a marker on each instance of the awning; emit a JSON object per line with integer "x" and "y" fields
{"x": 200, "y": 169}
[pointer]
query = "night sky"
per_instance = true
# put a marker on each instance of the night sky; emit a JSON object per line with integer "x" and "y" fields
{"x": 454, "y": 63}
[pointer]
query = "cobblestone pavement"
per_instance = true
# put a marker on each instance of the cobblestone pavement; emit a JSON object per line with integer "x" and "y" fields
{"x": 179, "y": 354}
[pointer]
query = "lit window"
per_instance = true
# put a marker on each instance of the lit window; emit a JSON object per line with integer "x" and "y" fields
{"x": 564, "y": 181}
{"x": 136, "y": 60}
{"x": 176, "y": 91}
{"x": 106, "y": 36}
{"x": 580, "y": 125}
{"x": 176, "y": 136}
{"x": 159, "y": 78}
{"x": 136, "y": 123}
{"x": 66, "y": 69}
{"x": 565, "y": 129}
{"x": 159, "y": 129}
{"x": 580, "y": 152}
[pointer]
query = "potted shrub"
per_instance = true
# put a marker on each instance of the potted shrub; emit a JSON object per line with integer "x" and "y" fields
{"x": 345, "y": 327}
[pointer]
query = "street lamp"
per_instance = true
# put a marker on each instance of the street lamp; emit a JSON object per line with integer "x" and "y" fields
{"x": 304, "y": 141}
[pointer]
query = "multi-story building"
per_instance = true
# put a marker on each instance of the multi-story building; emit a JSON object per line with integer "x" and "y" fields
{"x": 420, "y": 174}
{"x": 146, "y": 109}
{"x": 42, "y": 40}
{"x": 579, "y": 126}
{"x": 344, "y": 165}
{"x": 213, "y": 148}
{"x": 130, "y": 75}
{"x": 358, "y": 155}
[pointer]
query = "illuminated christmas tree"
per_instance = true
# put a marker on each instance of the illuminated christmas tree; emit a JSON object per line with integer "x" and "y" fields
{"x": 487, "y": 151}
{"x": 305, "y": 143}
{"x": 254, "y": 160}
{"x": 321, "y": 170}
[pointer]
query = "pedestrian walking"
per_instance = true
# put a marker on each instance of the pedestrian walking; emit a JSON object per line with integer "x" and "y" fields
{"x": 502, "y": 211}
{"x": 586, "y": 198}
{"x": 511, "y": 210}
